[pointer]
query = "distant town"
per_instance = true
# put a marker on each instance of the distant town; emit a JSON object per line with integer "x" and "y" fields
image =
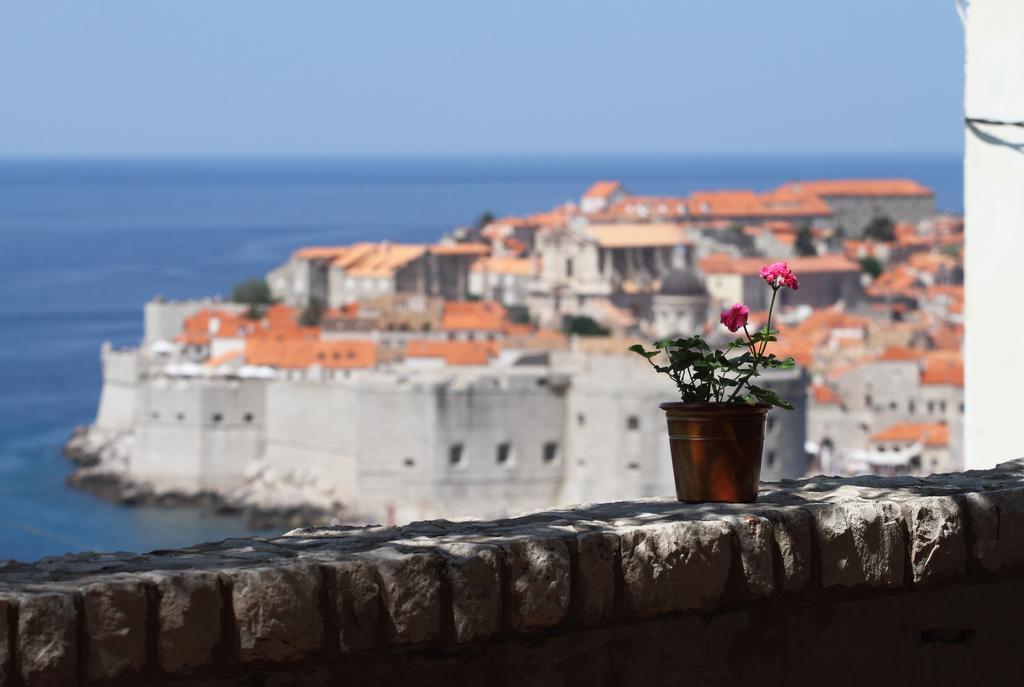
{"x": 487, "y": 374}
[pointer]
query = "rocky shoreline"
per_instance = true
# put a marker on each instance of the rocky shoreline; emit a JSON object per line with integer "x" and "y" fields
{"x": 100, "y": 460}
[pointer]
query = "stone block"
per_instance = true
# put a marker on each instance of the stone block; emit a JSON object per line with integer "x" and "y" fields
{"x": 598, "y": 558}
{"x": 277, "y": 612}
{"x": 791, "y": 532}
{"x": 7, "y": 606}
{"x": 860, "y": 543}
{"x": 675, "y": 566}
{"x": 357, "y": 605}
{"x": 188, "y": 618}
{"x": 938, "y": 546}
{"x": 115, "y": 622}
{"x": 754, "y": 534}
{"x": 538, "y": 581}
{"x": 48, "y": 640}
{"x": 410, "y": 589}
{"x": 474, "y": 573}
{"x": 996, "y": 529}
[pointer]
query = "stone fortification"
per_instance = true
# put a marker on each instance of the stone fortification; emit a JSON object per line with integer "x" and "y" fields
{"x": 824, "y": 580}
{"x": 397, "y": 443}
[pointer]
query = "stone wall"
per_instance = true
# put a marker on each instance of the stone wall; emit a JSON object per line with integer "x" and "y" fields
{"x": 825, "y": 580}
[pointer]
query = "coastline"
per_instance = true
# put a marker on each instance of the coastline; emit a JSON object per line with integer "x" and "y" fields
{"x": 98, "y": 463}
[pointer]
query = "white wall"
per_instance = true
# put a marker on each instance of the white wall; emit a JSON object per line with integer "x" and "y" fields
{"x": 994, "y": 208}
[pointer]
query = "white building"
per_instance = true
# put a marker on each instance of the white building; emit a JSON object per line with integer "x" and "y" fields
{"x": 994, "y": 213}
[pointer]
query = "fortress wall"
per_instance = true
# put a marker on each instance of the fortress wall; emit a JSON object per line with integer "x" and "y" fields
{"x": 853, "y": 581}
{"x": 193, "y": 434}
{"x": 617, "y": 439}
{"x": 312, "y": 428}
{"x": 396, "y": 463}
{"x": 524, "y": 411}
{"x": 119, "y": 398}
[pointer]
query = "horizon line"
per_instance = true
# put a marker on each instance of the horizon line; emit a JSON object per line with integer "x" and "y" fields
{"x": 17, "y": 157}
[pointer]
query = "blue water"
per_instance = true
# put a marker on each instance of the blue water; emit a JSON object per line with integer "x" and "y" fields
{"x": 83, "y": 244}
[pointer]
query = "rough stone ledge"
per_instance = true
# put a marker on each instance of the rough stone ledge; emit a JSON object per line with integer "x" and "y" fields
{"x": 315, "y": 596}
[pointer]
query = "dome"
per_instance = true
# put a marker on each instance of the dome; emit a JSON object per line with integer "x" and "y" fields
{"x": 680, "y": 283}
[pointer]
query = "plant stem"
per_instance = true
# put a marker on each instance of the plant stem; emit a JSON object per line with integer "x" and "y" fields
{"x": 764, "y": 345}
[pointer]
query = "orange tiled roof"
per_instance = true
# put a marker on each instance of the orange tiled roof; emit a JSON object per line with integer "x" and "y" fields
{"x": 928, "y": 433}
{"x": 320, "y": 252}
{"x": 302, "y": 353}
{"x": 460, "y": 249}
{"x": 555, "y": 218}
{"x": 384, "y": 260}
{"x": 602, "y": 189}
{"x": 900, "y": 354}
{"x": 931, "y": 262}
{"x": 454, "y": 352}
{"x": 502, "y": 264}
{"x": 637, "y": 235}
{"x": 722, "y": 263}
{"x": 474, "y": 315}
{"x": 859, "y": 187}
{"x": 943, "y": 367}
{"x": 824, "y": 395}
{"x": 224, "y": 358}
{"x": 745, "y": 203}
{"x": 217, "y": 323}
{"x": 896, "y": 281}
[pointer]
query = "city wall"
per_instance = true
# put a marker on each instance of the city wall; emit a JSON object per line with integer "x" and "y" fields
{"x": 825, "y": 580}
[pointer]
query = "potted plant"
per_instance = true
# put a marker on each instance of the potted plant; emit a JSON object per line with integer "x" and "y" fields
{"x": 716, "y": 430}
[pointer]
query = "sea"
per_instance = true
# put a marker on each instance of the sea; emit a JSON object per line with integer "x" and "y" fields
{"x": 85, "y": 242}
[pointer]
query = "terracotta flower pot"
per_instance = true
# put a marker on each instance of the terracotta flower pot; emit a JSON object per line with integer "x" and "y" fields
{"x": 716, "y": 450}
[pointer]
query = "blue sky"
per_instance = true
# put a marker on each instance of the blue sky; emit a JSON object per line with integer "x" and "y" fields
{"x": 257, "y": 77}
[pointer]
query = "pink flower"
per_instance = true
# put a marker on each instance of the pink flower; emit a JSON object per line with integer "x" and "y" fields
{"x": 778, "y": 274}
{"x": 735, "y": 318}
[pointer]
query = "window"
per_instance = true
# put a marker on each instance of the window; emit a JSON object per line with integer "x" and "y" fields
{"x": 504, "y": 454}
{"x": 568, "y": 267}
{"x": 581, "y": 419}
{"x": 248, "y": 417}
{"x": 409, "y": 462}
{"x": 632, "y": 422}
{"x": 217, "y": 417}
{"x": 455, "y": 454}
{"x": 770, "y": 423}
{"x": 911, "y": 406}
{"x": 770, "y": 458}
{"x": 892, "y": 405}
{"x": 867, "y": 400}
{"x": 942, "y": 407}
{"x": 961, "y": 407}
{"x": 634, "y": 466}
{"x": 550, "y": 452}
{"x": 155, "y": 415}
{"x": 931, "y": 407}
{"x": 181, "y": 417}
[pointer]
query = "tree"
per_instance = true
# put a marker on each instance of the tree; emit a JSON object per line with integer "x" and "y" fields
{"x": 871, "y": 265}
{"x": 251, "y": 291}
{"x": 805, "y": 243}
{"x": 485, "y": 218}
{"x": 518, "y": 314}
{"x": 583, "y": 325}
{"x": 312, "y": 313}
{"x": 952, "y": 250}
{"x": 880, "y": 228}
